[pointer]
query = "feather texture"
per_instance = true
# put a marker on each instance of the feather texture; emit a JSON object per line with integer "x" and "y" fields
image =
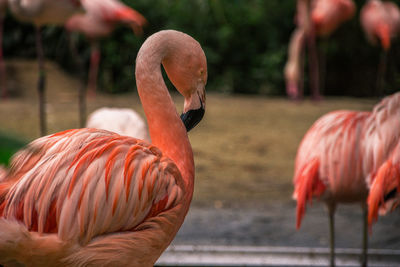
{"x": 63, "y": 191}
{"x": 351, "y": 148}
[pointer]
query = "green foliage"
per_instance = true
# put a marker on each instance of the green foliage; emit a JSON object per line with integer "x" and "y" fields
{"x": 245, "y": 42}
{"x": 8, "y": 146}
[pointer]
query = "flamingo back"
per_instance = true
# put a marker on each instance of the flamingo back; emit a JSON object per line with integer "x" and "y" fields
{"x": 84, "y": 183}
{"x": 327, "y": 15}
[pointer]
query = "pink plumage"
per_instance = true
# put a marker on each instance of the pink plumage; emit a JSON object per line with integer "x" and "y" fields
{"x": 74, "y": 186}
{"x": 327, "y": 15}
{"x": 380, "y": 21}
{"x": 344, "y": 152}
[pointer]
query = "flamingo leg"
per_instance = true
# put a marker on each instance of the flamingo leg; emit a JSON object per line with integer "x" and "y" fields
{"x": 3, "y": 81}
{"x": 93, "y": 68}
{"x": 82, "y": 87}
{"x": 380, "y": 81}
{"x": 41, "y": 83}
{"x": 322, "y": 67}
{"x": 301, "y": 78}
{"x": 313, "y": 66}
{"x": 331, "y": 211}
{"x": 364, "y": 256}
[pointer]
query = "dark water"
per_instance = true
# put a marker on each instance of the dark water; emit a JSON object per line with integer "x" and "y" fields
{"x": 274, "y": 225}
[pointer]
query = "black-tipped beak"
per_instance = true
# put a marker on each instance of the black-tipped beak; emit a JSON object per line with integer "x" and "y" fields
{"x": 192, "y": 118}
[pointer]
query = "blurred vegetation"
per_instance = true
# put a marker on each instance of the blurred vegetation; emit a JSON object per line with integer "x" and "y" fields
{"x": 8, "y": 146}
{"x": 245, "y": 42}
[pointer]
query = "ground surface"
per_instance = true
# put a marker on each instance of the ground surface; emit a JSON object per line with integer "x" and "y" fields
{"x": 244, "y": 153}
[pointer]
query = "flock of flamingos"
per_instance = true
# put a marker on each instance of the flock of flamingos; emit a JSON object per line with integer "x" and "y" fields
{"x": 91, "y": 197}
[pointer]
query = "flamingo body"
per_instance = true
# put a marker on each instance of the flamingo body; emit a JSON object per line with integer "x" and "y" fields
{"x": 342, "y": 154}
{"x": 327, "y": 15}
{"x": 380, "y": 21}
{"x": 123, "y": 121}
{"x": 347, "y": 150}
{"x": 88, "y": 197}
{"x": 85, "y": 183}
{"x": 327, "y": 161}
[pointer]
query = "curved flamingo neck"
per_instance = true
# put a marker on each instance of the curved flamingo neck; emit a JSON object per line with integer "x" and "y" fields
{"x": 165, "y": 126}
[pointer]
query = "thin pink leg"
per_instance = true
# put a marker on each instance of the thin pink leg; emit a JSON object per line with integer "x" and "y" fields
{"x": 3, "y": 78}
{"x": 41, "y": 87}
{"x": 380, "y": 81}
{"x": 93, "y": 68}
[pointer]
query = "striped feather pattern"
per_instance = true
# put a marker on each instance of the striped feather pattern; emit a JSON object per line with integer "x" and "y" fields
{"x": 351, "y": 148}
{"x": 87, "y": 182}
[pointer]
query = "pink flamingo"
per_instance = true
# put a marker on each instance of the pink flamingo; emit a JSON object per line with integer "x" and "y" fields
{"x": 123, "y": 121}
{"x": 3, "y": 80}
{"x": 381, "y": 22}
{"x": 341, "y": 154}
{"x": 314, "y": 18}
{"x": 40, "y": 13}
{"x": 88, "y": 197}
{"x": 100, "y": 20}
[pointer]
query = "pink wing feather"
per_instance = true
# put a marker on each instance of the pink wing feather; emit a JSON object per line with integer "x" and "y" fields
{"x": 345, "y": 152}
{"x": 84, "y": 183}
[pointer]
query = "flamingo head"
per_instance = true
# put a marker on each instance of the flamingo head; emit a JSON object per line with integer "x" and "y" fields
{"x": 187, "y": 70}
{"x": 384, "y": 194}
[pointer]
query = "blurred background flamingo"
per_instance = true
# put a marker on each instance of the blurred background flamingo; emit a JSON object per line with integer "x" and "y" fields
{"x": 315, "y": 18}
{"x": 40, "y": 13}
{"x": 123, "y": 121}
{"x": 381, "y": 23}
{"x": 341, "y": 154}
{"x": 100, "y": 19}
{"x": 68, "y": 169}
